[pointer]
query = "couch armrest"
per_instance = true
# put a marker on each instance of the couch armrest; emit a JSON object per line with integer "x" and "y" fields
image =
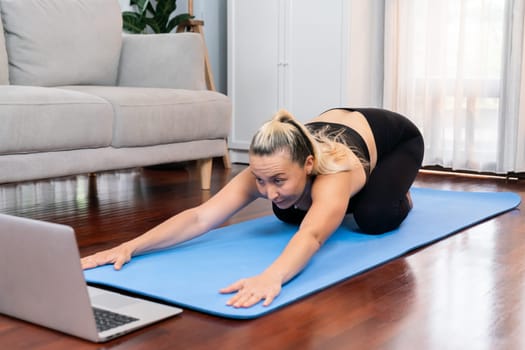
{"x": 163, "y": 61}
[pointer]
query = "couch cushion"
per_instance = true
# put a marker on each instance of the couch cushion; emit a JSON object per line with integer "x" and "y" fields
{"x": 59, "y": 42}
{"x": 48, "y": 119}
{"x": 151, "y": 116}
{"x": 4, "y": 76}
{"x": 178, "y": 61}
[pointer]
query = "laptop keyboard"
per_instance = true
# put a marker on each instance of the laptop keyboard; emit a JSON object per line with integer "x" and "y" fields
{"x": 107, "y": 319}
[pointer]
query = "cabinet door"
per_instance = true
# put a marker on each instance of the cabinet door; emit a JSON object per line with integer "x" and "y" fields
{"x": 253, "y": 66}
{"x": 315, "y": 48}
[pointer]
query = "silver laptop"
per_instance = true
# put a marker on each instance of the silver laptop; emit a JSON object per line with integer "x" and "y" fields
{"x": 41, "y": 281}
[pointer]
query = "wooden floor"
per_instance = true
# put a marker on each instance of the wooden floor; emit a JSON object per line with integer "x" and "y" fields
{"x": 464, "y": 292}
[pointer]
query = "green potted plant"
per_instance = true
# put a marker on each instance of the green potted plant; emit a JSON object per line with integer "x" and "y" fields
{"x": 155, "y": 15}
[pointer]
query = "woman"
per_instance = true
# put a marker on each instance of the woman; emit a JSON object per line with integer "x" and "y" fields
{"x": 360, "y": 161}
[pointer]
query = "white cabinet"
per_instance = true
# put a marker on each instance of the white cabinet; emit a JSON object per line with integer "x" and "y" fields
{"x": 283, "y": 54}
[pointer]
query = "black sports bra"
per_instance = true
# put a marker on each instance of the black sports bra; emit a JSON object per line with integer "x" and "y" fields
{"x": 350, "y": 137}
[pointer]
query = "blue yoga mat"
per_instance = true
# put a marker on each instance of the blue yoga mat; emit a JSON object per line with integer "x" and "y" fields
{"x": 191, "y": 274}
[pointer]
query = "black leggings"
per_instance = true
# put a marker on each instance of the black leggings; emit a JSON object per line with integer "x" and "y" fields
{"x": 382, "y": 204}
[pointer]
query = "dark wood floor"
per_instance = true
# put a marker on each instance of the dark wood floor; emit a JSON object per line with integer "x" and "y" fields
{"x": 464, "y": 292}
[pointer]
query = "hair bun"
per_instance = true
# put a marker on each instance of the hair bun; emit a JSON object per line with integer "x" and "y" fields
{"x": 283, "y": 116}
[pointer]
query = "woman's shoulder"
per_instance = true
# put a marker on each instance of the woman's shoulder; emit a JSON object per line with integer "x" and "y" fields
{"x": 345, "y": 183}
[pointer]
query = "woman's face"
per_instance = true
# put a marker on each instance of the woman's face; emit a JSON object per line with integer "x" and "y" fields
{"x": 280, "y": 179}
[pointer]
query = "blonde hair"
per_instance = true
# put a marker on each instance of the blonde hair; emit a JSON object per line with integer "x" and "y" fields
{"x": 284, "y": 132}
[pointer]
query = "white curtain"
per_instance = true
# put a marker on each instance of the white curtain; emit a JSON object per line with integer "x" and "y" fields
{"x": 457, "y": 69}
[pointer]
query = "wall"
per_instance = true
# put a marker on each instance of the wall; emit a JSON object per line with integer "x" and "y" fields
{"x": 364, "y": 74}
{"x": 213, "y": 13}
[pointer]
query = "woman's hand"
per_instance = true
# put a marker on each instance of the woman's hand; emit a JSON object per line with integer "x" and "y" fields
{"x": 252, "y": 290}
{"x": 117, "y": 256}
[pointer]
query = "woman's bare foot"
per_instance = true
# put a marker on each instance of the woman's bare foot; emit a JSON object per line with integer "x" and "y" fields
{"x": 409, "y": 199}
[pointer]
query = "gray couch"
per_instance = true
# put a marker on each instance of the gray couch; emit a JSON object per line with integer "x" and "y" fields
{"x": 79, "y": 96}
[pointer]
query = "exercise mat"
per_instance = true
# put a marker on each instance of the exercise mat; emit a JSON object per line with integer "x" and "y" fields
{"x": 191, "y": 274}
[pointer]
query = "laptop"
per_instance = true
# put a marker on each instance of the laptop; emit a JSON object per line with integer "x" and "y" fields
{"x": 41, "y": 281}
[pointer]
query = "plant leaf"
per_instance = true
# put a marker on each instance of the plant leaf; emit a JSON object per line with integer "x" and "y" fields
{"x": 154, "y": 15}
{"x": 166, "y": 7}
{"x": 150, "y": 8}
{"x": 164, "y": 10}
{"x": 132, "y": 22}
{"x": 141, "y": 5}
{"x": 153, "y": 24}
{"x": 175, "y": 21}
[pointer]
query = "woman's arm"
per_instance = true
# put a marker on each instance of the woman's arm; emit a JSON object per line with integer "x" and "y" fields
{"x": 330, "y": 196}
{"x": 184, "y": 226}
